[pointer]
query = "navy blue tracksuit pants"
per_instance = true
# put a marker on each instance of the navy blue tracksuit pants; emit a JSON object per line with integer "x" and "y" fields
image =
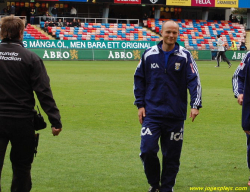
{"x": 248, "y": 151}
{"x": 170, "y": 133}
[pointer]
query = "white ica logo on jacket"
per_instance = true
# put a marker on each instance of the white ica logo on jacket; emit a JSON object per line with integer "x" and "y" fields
{"x": 154, "y": 65}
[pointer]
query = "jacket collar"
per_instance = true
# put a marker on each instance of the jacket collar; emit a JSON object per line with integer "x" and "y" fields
{"x": 176, "y": 48}
{"x": 12, "y": 41}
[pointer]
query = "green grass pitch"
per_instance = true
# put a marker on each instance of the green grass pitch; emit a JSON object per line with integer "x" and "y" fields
{"x": 98, "y": 149}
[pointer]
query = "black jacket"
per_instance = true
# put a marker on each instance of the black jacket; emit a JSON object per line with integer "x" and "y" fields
{"x": 54, "y": 11}
{"x": 21, "y": 73}
{"x": 12, "y": 10}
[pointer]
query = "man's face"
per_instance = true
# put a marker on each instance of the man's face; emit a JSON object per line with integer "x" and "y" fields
{"x": 170, "y": 32}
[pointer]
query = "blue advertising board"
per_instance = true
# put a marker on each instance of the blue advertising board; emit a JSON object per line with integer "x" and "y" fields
{"x": 244, "y": 4}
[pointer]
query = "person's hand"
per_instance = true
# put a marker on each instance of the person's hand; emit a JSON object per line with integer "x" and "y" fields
{"x": 141, "y": 114}
{"x": 240, "y": 99}
{"x": 193, "y": 114}
{"x": 247, "y": 132}
{"x": 55, "y": 131}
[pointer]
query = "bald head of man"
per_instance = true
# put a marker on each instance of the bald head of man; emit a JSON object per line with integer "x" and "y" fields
{"x": 169, "y": 32}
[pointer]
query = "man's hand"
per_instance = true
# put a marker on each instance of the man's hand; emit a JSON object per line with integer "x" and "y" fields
{"x": 193, "y": 114}
{"x": 55, "y": 131}
{"x": 247, "y": 132}
{"x": 141, "y": 114}
{"x": 240, "y": 99}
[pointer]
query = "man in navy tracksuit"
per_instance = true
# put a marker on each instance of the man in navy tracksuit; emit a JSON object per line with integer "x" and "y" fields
{"x": 161, "y": 80}
{"x": 241, "y": 87}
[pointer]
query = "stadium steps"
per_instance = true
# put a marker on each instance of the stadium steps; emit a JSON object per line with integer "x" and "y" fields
{"x": 43, "y": 32}
{"x": 153, "y": 32}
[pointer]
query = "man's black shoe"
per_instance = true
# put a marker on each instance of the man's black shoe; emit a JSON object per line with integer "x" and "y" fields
{"x": 154, "y": 189}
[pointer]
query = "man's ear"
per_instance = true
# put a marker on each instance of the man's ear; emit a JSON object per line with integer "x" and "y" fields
{"x": 21, "y": 35}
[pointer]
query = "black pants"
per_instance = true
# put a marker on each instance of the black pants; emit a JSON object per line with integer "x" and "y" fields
{"x": 222, "y": 54}
{"x": 21, "y": 134}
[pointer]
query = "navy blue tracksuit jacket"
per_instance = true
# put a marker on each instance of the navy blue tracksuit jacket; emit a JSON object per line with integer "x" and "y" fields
{"x": 241, "y": 85}
{"x": 241, "y": 80}
{"x": 161, "y": 86}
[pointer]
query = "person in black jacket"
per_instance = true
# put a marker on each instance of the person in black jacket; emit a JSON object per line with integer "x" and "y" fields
{"x": 22, "y": 72}
{"x": 12, "y": 10}
{"x": 32, "y": 16}
{"x": 243, "y": 46}
{"x": 54, "y": 13}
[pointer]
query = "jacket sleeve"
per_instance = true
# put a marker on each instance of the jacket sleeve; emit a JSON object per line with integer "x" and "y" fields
{"x": 193, "y": 83}
{"x": 238, "y": 79}
{"x": 139, "y": 84}
{"x": 41, "y": 86}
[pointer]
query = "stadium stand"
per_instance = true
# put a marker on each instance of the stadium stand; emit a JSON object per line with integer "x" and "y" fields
{"x": 201, "y": 34}
{"x": 103, "y": 31}
{"x": 196, "y": 34}
{"x": 30, "y": 32}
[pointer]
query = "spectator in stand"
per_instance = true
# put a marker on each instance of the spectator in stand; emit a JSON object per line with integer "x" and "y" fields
{"x": 73, "y": 11}
{"x": 145, "y": 17}
{"x": 241, "y": 20}
{"x": 65, "y": 23}
{"x": 46, "y": 25}
{"x": 243, "y": 46}
{"x": 74, "y": 23}
{"x": 4, "y": 11}
{"x": 226, "y": 47}
{"x": 234, "y": 20}
{"x": 60, "y": 23}
{"x": 46, "y": 16}
{"x": 79, "y": 23}
{"x": 12, "y": 10}
{"x": 231, "y": 17}
{"x": 32, "y": 16}
{"x": 52, "y": 24}
{"x": 234, "y": 46}
{"x": 70, "y": 24}
{"x": 54, "y": 13}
